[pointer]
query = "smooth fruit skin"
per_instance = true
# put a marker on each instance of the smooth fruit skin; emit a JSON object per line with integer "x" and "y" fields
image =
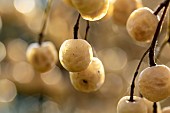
{"x": 166, "y": 109}
{"x": 42, "y": 58}
{"x": 75, "y": 54}
{"x": 90, "y": 79}
{"x": 154, "y": 83}
{"x": 91, "y": 10}
{"x": 125, "y": 106}
{"x": 123, "y": 9}
{"x": 141, "y": 24}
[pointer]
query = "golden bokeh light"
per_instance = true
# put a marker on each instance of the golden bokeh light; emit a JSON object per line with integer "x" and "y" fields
{"x": 17, "y": 50}
{"x": 24, "y": 6}
{"x": 114, "y": 59}
{"x": 23, "y": 72}
{"x": 8, "y": 90}
{"x": 112, "y": 81}
{"x": 34, "y": 20}
{"x": 52, "y": 77}
{"x": 60, "y": 25}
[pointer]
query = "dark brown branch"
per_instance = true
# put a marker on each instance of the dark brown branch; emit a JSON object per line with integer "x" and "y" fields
{"x": 45, "y": 18}
{"x": 135, "y": 75}
{"x": 153, "y": 44}
{"x": 160, "y": 7}
{"x": 76, "y": 27}
{"x": 154, "y": 107}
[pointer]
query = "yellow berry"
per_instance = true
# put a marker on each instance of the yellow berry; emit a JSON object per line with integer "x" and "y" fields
{"x": 44, "y": 57}
{"x": 90, "y": 79}
{"x": 141, "y": 24}
{"x": 75, "y": 54}
{"x": 126, "y": 106}
{"x": 91, "y": 10}
{"x": 123, "y": 8}
{"x": 154, "y": 83}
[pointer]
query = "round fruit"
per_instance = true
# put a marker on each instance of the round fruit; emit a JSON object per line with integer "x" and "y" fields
{"x": 154, "y": 83}
{"x": 75, "y": 54}
{"x": 91, "y": 10}
{"x": 90, "y": 79}
{"x": 43, "y": 57}
{"x": 126, "y": 106}
{"x": 123, "y": 8}
{"x": 141, "y": 24}
{"x": 166, "y": 109}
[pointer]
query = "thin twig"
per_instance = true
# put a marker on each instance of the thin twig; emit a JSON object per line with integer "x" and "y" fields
{"x": 76, "y": 27}
{"x": 153, "y": 44}
{"x": 155, "y": 107}
{"x": 135, "y": 75}
{"x": 160, "y": 7}
{"x": 155, "y": 38}
{"x": 45, "y": 19}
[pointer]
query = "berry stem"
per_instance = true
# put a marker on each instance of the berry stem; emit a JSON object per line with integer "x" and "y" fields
{"x": 45, "y": 19}
{"x": 153, "y": 44}
{"x": 135, "y": 75}
{"x": 76, "y": 27}
{"x": 160, "y": 7}
{"x": 87, "y": 29}
{"x": 154, "y": 107}
{"x": 165, "y": 4}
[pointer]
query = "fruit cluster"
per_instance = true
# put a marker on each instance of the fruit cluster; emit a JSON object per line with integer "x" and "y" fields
{"x": 86, "y": 72}
{"x": 144, "y": 25}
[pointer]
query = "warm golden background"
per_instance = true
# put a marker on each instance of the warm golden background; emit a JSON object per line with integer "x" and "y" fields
{"x": 52, "y": 92}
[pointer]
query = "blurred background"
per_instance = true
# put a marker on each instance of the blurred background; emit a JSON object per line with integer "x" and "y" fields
{"x": 24, "y": 90}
